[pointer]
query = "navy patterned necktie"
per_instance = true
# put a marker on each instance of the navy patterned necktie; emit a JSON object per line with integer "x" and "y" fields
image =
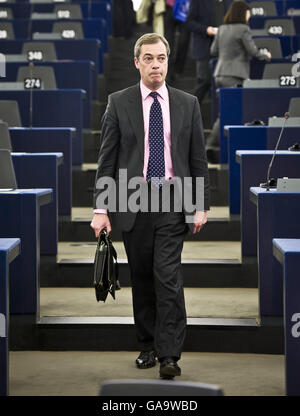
{"x": 156, "y": 164}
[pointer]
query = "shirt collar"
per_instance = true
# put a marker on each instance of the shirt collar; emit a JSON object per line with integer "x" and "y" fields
{"x": 162, "y": 91}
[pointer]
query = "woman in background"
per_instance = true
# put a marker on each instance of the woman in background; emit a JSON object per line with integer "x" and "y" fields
{"x": 234, "y": 46}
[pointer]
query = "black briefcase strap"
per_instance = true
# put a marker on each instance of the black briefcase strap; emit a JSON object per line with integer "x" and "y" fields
{"x": 114, "y": 254}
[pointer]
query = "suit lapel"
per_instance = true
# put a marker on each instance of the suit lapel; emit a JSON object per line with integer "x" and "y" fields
{"x": 176, "y": 117}
{"x": 135, "y": 115}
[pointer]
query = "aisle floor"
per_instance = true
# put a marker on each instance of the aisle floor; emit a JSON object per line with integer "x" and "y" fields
{"x": 73, "y": 373}
{"x": 200, "y": 302}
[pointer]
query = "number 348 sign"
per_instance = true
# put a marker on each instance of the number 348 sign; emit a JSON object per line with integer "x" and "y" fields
{"x": 296, "y": 326}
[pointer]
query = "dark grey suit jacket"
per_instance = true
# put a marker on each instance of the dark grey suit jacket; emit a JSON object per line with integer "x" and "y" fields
{"x": 234, "y": 47}
{"x": 122, "y": 143}
{"x": 199, "y": 18}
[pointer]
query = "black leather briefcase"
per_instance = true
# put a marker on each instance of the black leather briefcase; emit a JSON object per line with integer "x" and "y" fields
{"x": 105, "y": 268}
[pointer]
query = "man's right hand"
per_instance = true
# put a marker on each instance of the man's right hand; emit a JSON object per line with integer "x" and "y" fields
{"x": 211, "y": 31}
{"x": 99, "y": 222}
{"x": 268, "y": 54}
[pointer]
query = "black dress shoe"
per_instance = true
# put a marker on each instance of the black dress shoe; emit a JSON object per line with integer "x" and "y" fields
{"x": 169, "y": 368}
{"x": 146, "y": 359}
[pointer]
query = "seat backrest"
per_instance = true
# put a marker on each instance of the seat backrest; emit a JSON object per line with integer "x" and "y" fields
{"x": 260, "y": 83}
{"x": 6, "y": 30}
{"x": 9, "y": 112}
{"x": 274, "y": 71}
{"x": 40, "y": 1}
{"x": 270, "y": 44}
{"x": 11, "y": 86}
{"x": 72, "y": 11}
{"x": 294, "y": 107}
{"x": 5, "y": 142}
{"x": 46, "y": 36}
{"x": 293, "y": 12}
{"x": 7, "y": 171}
{"x": 280, "y": 27}
{"x": 69, "y": 30}
{"x": 129, "y": 387}
{"x": 279, "y": 121}
{"x": 43, "y": 73}
{"x": 263, "y": 8}
{"x": 39, "y": 51}
{"x": 6, "y": 13}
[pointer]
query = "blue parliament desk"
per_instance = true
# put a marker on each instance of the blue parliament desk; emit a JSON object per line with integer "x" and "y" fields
{"x": 96, "y": 10}
{"x": 73, "y": 75}
{"x": 53, "y": 108}
{"x": 20, "y": 213}
{"x": 40, "y": 170}
{"x": 253, "y": 171}
{"x": 9, "y": 250}
{"x": 99, "y": 9}
{"x": 251, "y": 138}
{"x": 77, "y": 49}
{"x": 92, "y": 28}
{"x": 256, "y": 71}
{"x": 241, "y": 105}
{"x": 49, "y": 140}
{"x": 287, "y": 252}
{"x": 277, "y": 217}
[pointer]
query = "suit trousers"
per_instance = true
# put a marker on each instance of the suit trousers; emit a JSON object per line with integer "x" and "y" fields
{"x": 153, "y": 248}
{"x": 203, "y": 74}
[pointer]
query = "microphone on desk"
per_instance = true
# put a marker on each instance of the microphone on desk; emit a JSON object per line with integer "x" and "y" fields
{"x": 272, "y": 182}
{"x": 31, "y": 66}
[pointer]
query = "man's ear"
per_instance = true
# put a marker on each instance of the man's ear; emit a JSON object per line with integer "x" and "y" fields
{"x": 136, "y": 63}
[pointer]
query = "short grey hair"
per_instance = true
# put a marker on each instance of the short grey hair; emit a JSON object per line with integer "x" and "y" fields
{"x": 148, "y": 39}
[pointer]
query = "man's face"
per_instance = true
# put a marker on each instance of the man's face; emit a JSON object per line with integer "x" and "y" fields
{"x": 153, "y": 65}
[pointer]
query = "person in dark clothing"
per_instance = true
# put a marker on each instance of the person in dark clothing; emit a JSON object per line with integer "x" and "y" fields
{"x": 204, "y": 17}
{"x": 178, "y": 37}
{"x": 123, "y": 18}
{"x": 154, "y": 133}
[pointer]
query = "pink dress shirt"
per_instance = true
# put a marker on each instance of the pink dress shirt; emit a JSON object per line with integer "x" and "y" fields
{"x": 163, "y": 98}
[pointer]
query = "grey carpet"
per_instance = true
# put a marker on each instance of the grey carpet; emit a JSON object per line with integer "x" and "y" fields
{"x": 72, "y": 373}
{"x": 200, "y": 302}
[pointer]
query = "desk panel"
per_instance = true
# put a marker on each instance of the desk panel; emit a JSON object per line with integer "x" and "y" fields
{"x": 21, "y": 209}
{"x": 43, "y": 140}
{"x": 52, "y": 108}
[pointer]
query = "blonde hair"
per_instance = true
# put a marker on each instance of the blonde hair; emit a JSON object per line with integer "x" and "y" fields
{"x": 148, "y": 39}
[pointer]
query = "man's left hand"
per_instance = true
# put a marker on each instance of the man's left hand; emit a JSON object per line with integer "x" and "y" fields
{"x": 200, "y": 218}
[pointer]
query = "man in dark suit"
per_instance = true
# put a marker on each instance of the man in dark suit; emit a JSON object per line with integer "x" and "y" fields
{"x": 153, "y": 132}
{"x": 204, "y": 17}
